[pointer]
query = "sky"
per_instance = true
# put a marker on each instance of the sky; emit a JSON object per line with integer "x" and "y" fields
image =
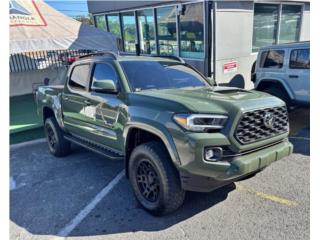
{"x": 70, "y": 7}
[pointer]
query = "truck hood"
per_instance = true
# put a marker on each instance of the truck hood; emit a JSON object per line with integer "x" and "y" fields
{"x": 215, "y": 99}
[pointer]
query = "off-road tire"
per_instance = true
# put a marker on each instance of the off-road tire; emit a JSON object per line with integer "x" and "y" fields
{"x": 61, "y": 146}
{"x": 171, "y": 195}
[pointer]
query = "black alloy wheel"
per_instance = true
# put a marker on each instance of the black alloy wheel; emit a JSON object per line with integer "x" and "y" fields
{"x": 57, "y": 144}
{"x": 148, "y": 181}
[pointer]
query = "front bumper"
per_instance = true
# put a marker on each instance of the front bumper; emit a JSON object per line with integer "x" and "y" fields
{"x": 201, "y": 176}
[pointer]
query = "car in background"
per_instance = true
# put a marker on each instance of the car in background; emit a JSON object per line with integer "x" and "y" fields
{"x": 284, "y": 71}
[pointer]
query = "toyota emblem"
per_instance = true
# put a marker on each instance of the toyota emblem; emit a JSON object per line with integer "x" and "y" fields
{"x": 268, "y": 120}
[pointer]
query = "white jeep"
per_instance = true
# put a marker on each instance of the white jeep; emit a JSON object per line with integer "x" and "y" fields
{"x": 284, "y": 71}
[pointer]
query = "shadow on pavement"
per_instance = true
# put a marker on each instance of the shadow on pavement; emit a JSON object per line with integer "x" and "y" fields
{"x": 300, "y": 130}
{"x": 52, "y": 191}
{"x": 301, "y": 142}
{"x": 121, "y": 213}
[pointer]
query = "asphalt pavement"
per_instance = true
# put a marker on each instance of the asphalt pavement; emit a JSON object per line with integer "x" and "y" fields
{"x": 85, "y": 196}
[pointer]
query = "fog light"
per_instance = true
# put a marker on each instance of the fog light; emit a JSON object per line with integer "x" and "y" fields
{"x": 213, "y": 154}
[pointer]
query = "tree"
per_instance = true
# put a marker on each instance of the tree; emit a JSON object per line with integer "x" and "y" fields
{"x": 85, "y": 19}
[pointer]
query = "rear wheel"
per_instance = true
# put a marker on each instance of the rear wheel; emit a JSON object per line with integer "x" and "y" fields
{"x": 154, "y": 179}
{"x": 57, "y": 144}
{"x": 278, "y": 92}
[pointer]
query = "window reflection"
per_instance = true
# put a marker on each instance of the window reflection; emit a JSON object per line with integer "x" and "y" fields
{"x": 147, "y": 32}
{"x": 167, "y": 30}
{"x": 264, "y": 25}
{"x": 300, "y": 59}
{"x": 266, "y": 22}
{"x": 290, "y": 23}
{"x": 129, "y": 31}
{"x": 101, "y": 22}
{"x": 114, "y": 24}
{"x": 191, "y": 31}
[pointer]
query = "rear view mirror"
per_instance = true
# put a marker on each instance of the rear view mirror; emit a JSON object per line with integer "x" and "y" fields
{"x": 107, "y": 86}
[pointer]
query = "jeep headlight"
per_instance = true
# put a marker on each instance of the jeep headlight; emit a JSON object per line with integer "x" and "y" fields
{"x": 200, "y": 122}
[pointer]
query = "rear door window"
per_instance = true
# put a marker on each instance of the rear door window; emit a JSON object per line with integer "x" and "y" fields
{"x": 272, "y": 59}
{"x": 79, "y": 77}
{"x": 300, "y": 59}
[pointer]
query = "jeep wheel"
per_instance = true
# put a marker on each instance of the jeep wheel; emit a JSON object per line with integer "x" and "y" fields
{"x": 278, "y": 92}
{"x": 154, "y": 179}
{"x": 57, "y": 144}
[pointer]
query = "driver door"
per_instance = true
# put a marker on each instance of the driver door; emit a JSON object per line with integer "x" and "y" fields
{"x": 104, "y": 109}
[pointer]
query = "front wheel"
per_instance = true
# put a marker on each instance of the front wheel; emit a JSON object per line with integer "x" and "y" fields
{"x": 57, "y": 144}
{"x": 154, "y": 179}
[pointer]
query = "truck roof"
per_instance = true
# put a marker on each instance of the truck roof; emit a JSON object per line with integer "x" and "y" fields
{"x": 288, "y": 45}
{"x": 110, "y": 55}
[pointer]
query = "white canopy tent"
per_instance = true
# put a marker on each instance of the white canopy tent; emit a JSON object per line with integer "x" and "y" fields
{"x": 35, "y": 26}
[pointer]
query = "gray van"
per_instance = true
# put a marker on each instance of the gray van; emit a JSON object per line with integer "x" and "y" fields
{"x": 284, "y": 71}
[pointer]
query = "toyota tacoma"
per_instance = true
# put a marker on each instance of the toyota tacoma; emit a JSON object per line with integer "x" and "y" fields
{"x": 174, "y": 129}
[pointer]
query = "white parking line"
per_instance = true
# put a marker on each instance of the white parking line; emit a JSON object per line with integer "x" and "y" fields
{"x": 13, "y": 184}
{"x": 64, "y": 232}
{"x": 24, "y": 144}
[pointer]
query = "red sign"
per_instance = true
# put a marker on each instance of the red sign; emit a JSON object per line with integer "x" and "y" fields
{"x": 230, "y": 67}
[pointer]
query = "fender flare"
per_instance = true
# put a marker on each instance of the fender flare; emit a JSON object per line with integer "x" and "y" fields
{"x": 161, "y": 132}
{"x": 278, "y": 81}
{"x": 55, "y": 105}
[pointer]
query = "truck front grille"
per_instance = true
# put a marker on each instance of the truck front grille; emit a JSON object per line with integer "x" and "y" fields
{"x": 262, "y": 124}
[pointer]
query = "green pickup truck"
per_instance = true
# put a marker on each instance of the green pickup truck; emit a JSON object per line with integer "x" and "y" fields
{"x": 174, "y": 130}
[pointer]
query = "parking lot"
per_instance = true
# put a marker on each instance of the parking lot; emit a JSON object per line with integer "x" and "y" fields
{"x": 85, "y": 196}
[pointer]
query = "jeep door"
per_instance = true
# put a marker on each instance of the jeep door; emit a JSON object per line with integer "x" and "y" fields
{"x": 106, "y": 108}
{"x": 298, "y": 74}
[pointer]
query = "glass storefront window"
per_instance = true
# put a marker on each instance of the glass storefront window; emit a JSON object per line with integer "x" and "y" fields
{"x": 264, "y": 25}
{"x": 101, "y": 22}
{"x": 167, "y": 31}
{"x": 147, "y": 32}
{"x": 129, "y": 31}
{"x": 114, "y": 24}
{"x": 191, "y": 31}
{"x": 290, "y": 23}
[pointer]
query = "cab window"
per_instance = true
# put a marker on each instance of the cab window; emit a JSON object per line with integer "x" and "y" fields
{"x": 79, "y": 77}
{"x": 161, "y": 75}
{"x": 300, "y": 59}
{"x": 272, "y": 59}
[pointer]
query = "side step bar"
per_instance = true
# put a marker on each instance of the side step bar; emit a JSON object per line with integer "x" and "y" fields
{"x": 104, "y": 151}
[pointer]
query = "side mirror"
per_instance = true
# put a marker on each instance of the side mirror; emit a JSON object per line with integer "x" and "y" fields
{"x": 107, "y": 86}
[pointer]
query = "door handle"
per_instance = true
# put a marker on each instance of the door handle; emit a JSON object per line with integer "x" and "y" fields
{"x": 293, "y": 76}
{"x": 87, "y": 102}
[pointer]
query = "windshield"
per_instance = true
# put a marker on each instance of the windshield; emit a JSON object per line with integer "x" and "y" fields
{"x": 143, "y": 75}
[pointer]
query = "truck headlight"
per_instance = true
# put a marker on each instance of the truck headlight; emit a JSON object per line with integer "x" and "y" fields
{"x": 200, "y": 122}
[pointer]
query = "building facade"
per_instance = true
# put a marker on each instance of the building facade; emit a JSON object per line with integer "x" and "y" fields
{"x": 219, "y": 38}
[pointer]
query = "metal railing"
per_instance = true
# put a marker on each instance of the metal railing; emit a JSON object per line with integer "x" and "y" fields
{"x": 21, "y": 62}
